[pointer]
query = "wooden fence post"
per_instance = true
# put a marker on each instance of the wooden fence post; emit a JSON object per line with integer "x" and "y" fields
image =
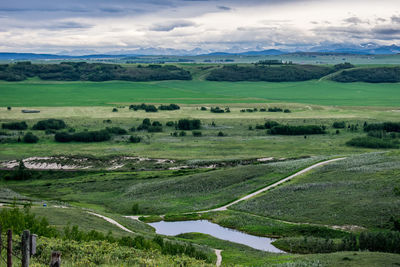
{"x": 55, "y": 259}
{"x": 9, "y": 248}
{"x": 25, "y": 248}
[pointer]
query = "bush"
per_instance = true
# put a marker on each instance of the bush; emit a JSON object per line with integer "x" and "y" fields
{"x": 15, "y": 125}
{"x": 221, "y": 134}
{"x": 87, "y": 137}
{"x": 217, "y": 110}
{"x": 135, "y": 139}
{"x": 114, "y": 110}
{"x": 297, "y": 130}
{"x": 49, "y": 124}
{"x": 156, "y": 123}
{"x": 30, "y": 138}
{"x": 203, "y": 108}
{"x": 8, "y": 108}
{"x": 286, "y": 111}
{"x": 275, "y": 109}
{"x": 339, "y": 125}
{"x": 169, "y": 107}
{"x": 371, "y": 142}
{"x": 151, "y": 108}
{"x": 170, "y": 124}
{"x": 187, "y": 124}
{"x": 182, "y": 133}
{"x": 196, "y": 133}
{"x": 386, "y": 126}
{"x": 270, "y": 124}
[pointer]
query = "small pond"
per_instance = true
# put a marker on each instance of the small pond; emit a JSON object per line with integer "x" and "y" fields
{"x": 215, "y": 230}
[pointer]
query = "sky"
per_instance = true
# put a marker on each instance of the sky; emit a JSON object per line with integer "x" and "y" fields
{"x": 102, "y": 26}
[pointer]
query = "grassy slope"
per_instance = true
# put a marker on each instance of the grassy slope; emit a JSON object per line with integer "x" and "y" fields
{"x": 44, "y": 93}
{"x": 158, "y": 192}
{"x": 356, "y": 191}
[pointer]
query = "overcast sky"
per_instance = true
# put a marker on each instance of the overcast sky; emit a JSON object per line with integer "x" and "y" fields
{"x": 53, "y": 26}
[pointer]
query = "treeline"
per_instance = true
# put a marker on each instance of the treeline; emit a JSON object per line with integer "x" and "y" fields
{"x": 382, "y": 241}
{"x": 285, "y": 73}
{"x": 152, "y": 108}
{"x": 369, "y": 75}
{"x": 297, "y": 130}
{"x": 98, "y": 72}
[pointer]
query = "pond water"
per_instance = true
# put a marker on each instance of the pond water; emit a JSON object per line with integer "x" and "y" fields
{"x": 215, "y": 230}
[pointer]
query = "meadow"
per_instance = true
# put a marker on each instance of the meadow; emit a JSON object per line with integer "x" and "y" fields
{"x": 53, "y": 93}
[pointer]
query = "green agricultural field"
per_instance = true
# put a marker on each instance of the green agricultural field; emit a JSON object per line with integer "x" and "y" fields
{"x": 36, "y": 93}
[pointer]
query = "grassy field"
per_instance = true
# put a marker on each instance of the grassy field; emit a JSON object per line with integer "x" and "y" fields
{"x": 239, "y": 142}
{"x": 359, "y": 190}
{"x": 37, "y": 93}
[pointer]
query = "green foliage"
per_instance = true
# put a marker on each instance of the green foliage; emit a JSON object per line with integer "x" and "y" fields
{"x": 217, "y": 110}
{"x": 97, "y": 72}
{"x": 371, "y": 142}
{"x": 370, "y": 75}
{"x": 385, "y": 126}
{"x": 287, "y": 73}
{"x": 339, "y": 125}
{"x": 380, "y": 241}
{"x": 342, "y": 66}
{"x": 30, "y": 138}
{"x": 135, "y": 209}
{"x": 53, "y": 124}
{"x": 170, "y": 124}
{"x": 305, "y": 245}
{"x": 187, "y": 124}
{"x": 169, "y": 107}
{"x": 135, "y": 139}
{"x": 114, "y": 110}
{"x": 15, "y": 125}
{"x": 297, "y": 130}
{"x": 87, "y": 137}
{"x": 22, "y": 219}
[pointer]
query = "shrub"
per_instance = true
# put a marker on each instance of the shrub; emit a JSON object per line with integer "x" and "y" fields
{"x": 135, "y": 139}
{"x": 50, "y": 131}
{"x": 135, "y": 208}
{"x": 49, "y": 124}
{"x": 275, "y": 109}
{"x": 30, "y": 138}
{"x": 270, "y": 124}
{"x": 8, "y": 108}
{"x": 87, "y": 137}
{"x": 151, "y": 108}
{"x": 371, "y": 142}
{"x": 169, "y": 107}
{"x": 217, "y": 110}
{"x": 203, "y": 108}
{"x": 286, "y": 111}
{"x": 263, "y": 109}
{"x": 182, "y": 133}
{"x": 187, "y": 124}
{"x": 15, "y": 125}
{"x": 221, "y": 134}
{"x": 196, "y": 133}
{"x": 297, "y": 130}
{"x": 170, "y": 124}
{"x": 114, "y": 110}
{"x": 339, "y": 125}
{"x": 156, "y": 123}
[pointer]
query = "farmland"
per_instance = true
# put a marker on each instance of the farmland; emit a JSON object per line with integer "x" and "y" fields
{"x": 156, "y": 170}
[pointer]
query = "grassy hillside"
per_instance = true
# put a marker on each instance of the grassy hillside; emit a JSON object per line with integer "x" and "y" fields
{"x": 360, "y": 190}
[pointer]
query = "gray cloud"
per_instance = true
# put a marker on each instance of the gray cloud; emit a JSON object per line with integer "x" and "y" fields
{"x": 395, "y": 19}
{"x": 353, "y": 20}
{"x": 386, "y": 30}
{"x": 171, "y": 25}
{"x": 69, "y": 25}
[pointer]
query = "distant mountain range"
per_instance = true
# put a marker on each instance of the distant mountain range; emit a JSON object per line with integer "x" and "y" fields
{"x": 365, "y": 49}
